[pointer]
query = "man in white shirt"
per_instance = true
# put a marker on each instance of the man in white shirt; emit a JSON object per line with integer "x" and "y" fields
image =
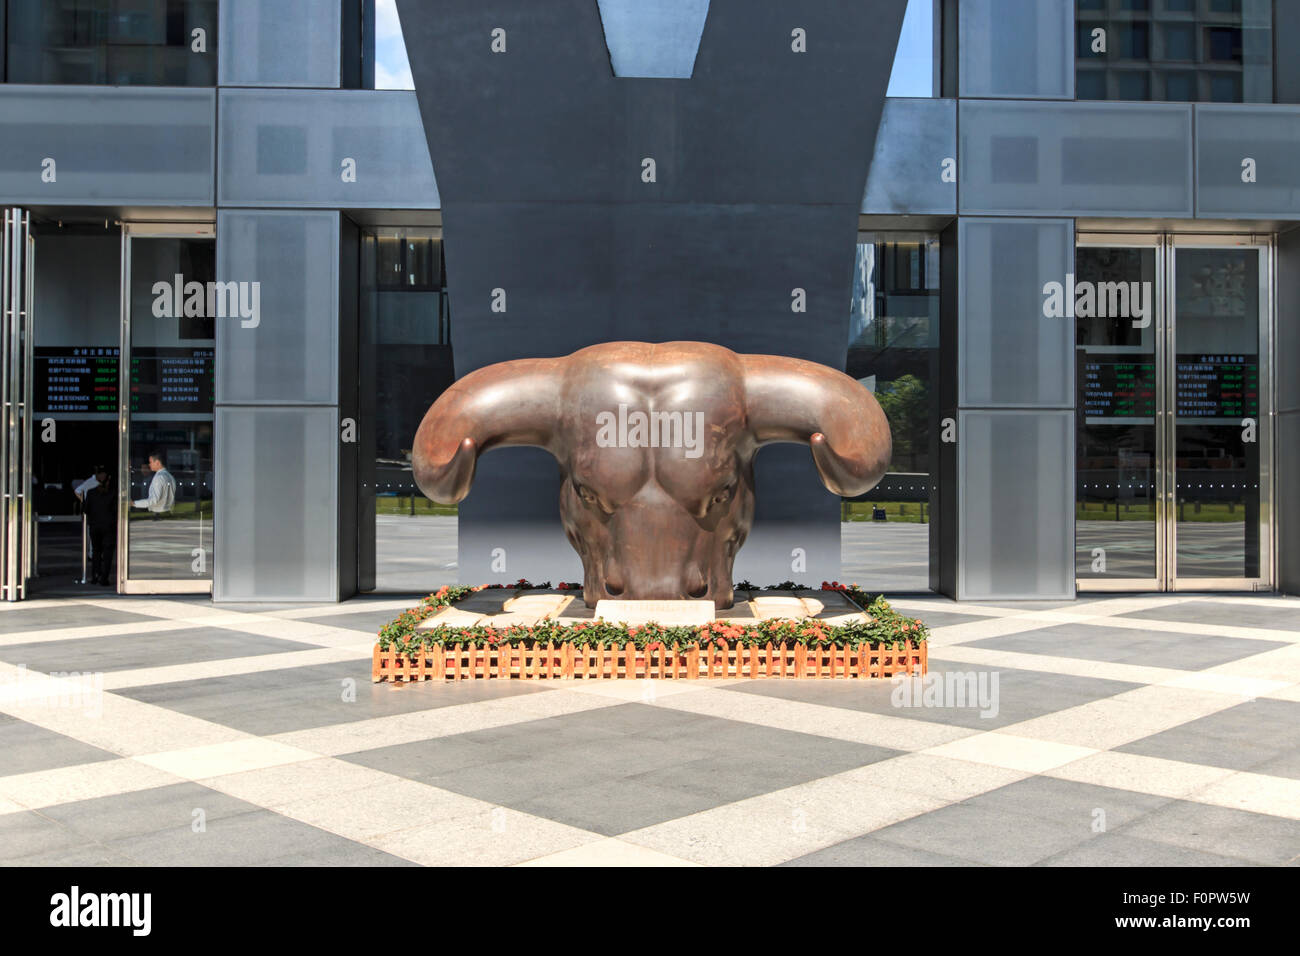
{"x": 81, "y": 487}
{"x": 162, "y": 490}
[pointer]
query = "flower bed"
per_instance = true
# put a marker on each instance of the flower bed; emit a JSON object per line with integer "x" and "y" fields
{"x": 884, "y": 644}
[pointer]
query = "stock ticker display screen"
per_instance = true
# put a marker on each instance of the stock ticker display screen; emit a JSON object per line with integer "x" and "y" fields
{"x": 1218, "y": 386}
{"x": 1205, "y": 386}
{"x": 84, "y": 380}
{"x": 172, "y": 380}
{"x": 1114, "y": 388}
{"x": 75, "y": 380}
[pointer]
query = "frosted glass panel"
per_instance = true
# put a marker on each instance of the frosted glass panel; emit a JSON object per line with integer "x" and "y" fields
{"x": 1017, "y": 48}
{"x": 285, "y": 43}
{"x": 349, "y": 149}
{"x": 1010, "y": 352}
{"x": 1016, "y": 474}
{"x": 136, "y": 146}
{"x": 1068, "y": 159}
{"x": 291, "y": 354}
{"x": 277, "y": 476}
{"x": 1227, "y": 136}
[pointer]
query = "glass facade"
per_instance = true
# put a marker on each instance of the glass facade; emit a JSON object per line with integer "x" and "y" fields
{"x": 112, "y": 42}
{"x": 914, "y": 72}
{"x": 406, "y": 353}
{"x": 894, "y": 352}
{"x": 1187, "y": 51}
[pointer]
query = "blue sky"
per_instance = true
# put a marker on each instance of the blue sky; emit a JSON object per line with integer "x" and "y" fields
{"x": 912, "y": 75}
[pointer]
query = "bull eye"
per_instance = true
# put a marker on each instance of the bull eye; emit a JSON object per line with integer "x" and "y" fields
{"x": 585, "y": 493}
{"x": 722, "y": 496}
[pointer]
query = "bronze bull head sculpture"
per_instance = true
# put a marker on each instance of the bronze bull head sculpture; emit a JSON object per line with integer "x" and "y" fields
{"x": 656, "y": 447}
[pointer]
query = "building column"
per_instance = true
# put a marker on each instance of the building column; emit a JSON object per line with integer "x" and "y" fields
{"x": 285, "y": 473}
{"x": 1006, "y": 435}
{"x": 1286, "y": 367}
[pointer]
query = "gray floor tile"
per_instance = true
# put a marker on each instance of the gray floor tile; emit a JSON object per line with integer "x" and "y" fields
{"x": 1228, "y": 613}
{"x": 937, "y": 618}
{"x": 1126, "y": 646}
{"x": 995, "y": 838}
{"x": 368, "y": 621}
{"x": 29, "y": 833}
{"x": 107, "y": 819}
{"x": 1021, "y": 694}
{"x": 91, "y": 854}
{"x": 27, "y": 748}
{"x": 346, "y": 854}
{"x": 614, "y": 806}
{"x": 1069, "y": 803}
{"x": 1222, "y": 831}
{"x": 596, "y": 769}
{"x": 20, "y": 619}
{"x": 1117, "y": 849}
{"x": 1262, "y": 736}
{"x": 130, "y": 651}
{"x": 299, "y": 698}
{"x": 241, "y": 840}
{"x": 868, "y": 851}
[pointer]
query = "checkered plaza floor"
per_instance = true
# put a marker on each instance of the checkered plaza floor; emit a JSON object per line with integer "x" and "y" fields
{"x": 1154, "y": 730}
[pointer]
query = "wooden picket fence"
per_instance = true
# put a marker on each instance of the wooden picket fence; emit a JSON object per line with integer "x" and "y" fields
{"x": 519, "y": 662}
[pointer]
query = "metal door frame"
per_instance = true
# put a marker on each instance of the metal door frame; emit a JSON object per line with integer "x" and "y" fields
{"x": 125, "y": 583}
{"x": 1157, "y": 242}
{"x": 1264, "y": 245}
{"x": 1166, "y": 358}
{"x": 17, "y": 300}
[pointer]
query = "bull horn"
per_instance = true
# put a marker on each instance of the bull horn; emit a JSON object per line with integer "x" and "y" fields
{"x": 790, "y": 400}
{"x": 511, "y": 403}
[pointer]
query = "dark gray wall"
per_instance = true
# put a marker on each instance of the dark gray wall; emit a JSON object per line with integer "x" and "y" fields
{"x": 350, "y": 566}
{"x": 1287, "y": 366}
{"x": 1286, "y": 66}
{"x": 762, "y": 158}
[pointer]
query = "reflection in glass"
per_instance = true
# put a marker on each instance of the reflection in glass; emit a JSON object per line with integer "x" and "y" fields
{"x": 408, "y": 541}
{"x": 113, "y": 42}
{"x": 1115, "y": 481}
{"x": 1196, "y": 51}
{"x": 171, "y": 386}
{"x": 894, "y": 352}
{"x": 1217, "y": 390}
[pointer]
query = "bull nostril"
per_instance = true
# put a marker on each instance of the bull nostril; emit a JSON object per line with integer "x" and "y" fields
{"x": 697, "y": 590}
{"x": 613, "y": 588}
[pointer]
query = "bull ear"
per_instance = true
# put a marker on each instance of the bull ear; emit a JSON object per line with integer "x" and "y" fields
{"x": 790, "y": 400}
{"x": 511, "y": 403}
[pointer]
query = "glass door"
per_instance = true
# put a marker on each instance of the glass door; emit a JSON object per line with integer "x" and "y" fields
{"x": 170, "y": 301}
{"x": 1220, "y": 307}
{"x": 1119, "y": 447}
{"x": 1174, "y": 447}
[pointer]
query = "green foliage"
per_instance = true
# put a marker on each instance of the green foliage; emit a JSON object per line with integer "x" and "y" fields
{"x": 884, "y": 627}
{"x": 906, "y": 403}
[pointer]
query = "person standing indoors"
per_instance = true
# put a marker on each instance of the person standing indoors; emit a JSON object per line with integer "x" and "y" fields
{"x": 100, "y": 503}
{"x": 162, "y": 489}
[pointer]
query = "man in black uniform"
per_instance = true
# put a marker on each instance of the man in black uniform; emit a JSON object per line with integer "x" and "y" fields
{"x": 101, "y": 517}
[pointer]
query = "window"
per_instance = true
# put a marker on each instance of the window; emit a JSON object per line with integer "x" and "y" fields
{"x": 894, "y": 352}
{"x": 1185, "y": 51}
{"x": 112, "y": 42}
